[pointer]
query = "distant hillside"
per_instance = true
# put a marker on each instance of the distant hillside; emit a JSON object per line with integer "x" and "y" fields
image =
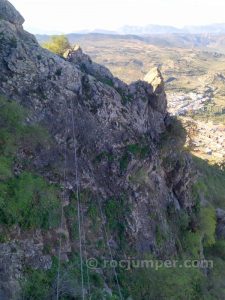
{"x": 156, "y": 32}
{"x": 77, "y": 37}
{"x": 159, "y": 29}
{"x": 208, "y": 36}
{"x": 214, "y": 41}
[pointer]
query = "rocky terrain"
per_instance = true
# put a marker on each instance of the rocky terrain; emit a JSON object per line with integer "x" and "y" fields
{"x": 114, "y": 127}
{"x": 89, "y": 162}
{"x": 186, "y": 68}
{"x": 194, "y": 75}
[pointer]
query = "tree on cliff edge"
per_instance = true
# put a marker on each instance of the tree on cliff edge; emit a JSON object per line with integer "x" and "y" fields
{"x": 57, "y": 44}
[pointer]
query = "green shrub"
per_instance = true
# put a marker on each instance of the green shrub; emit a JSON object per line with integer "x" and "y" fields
{"x": 41, "y": 284}
{"x": 37, "y": 285}
{"x": 116, "y": 211}
{"x": 107, "y": 81}
{"x": 215, "y": 285}
{"x": 58, "y": 44}
{"x": 15, "y": 133}
{"x": 71, "y": 215}
{"x": 97, "y": 280}
{"x": 160, "y": 236}
{"x": 5, "y": 168}
{"x": 11, "y": 115}
{"x": 138, "y": 150}
{"x": 26, "y": 200}
{"x": 166, "y": 283}
{"x": 33, "y": 136}
{"x": 191, "y": 244}
{"x": 208, "y": 225}
{"x": 30, "y": 202}
{"x": 11, "y": 126}
{"x": 217, "y": 249}
{"x": 93, "y": 213}
{"x": 210, "y": 182}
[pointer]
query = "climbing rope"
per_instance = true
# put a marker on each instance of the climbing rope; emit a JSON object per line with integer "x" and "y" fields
{"x": 79, "y": 213}
{"x": 78, "y": 202}
{"x": 61, "y": 227}
{"x": 80, "y": 218}
{"x": 85, "y": 252}
{"x": 109, "y": 248}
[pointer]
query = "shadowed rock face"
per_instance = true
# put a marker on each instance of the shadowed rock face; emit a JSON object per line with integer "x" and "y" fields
{"x": 109, "y": 117}
{"x": 220, "y": 214}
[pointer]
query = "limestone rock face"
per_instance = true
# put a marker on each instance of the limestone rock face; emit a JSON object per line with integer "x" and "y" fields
{"x": 117, "y": 128}
{"x": 84, "y": 63}
{"x": 147, "y": 108}
{"x": 154, "y": 77}
{"x": 9, "y": 13}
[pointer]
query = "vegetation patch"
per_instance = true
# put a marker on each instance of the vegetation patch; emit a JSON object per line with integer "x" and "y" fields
{"x": 30, "y": 202}
{"x": 26, "y": 199}
{"x": 104, "y": 155}
{"x": 116, "y": 211}
{"x": 138, "y": 150}
{"x": 211, "y": 182}
{"x": 105, "y": 80}
{"x": 58, "y": 44}
{"x": 208, "y": 225}
{"x": 178, "y": 283}
{"x": 71, "y": 216}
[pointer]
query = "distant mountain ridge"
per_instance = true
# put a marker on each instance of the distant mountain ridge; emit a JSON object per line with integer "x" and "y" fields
{"x": 160, "y": 29}
{"x": 149, "y": 29}
{"x": 215, "y": 41}
{"x": 212, "y": 36}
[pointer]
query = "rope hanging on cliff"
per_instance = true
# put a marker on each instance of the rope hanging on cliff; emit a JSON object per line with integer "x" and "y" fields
{"x": 109, "y": 248}
{"x": 78, "y": 201}
{"x": 85, "y": 252}
{"x": 81, "y": 221}
{"x": 61, "y": 227}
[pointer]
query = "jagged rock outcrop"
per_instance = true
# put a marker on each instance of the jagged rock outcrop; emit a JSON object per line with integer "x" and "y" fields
{"x": 110, "y": 117}
{"x": 149, "y": 114}
{"x": 83, "y": 61}
{"x": 154, "y": 77}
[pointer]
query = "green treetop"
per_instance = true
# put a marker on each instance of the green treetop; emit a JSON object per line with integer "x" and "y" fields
{"x": 57, "y": 44}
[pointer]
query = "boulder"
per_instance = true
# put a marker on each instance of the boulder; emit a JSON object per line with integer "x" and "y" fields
{"x": 155, "y": 79}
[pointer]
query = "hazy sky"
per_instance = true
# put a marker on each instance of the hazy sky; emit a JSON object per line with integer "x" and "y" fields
{"x": 72, "y": 15}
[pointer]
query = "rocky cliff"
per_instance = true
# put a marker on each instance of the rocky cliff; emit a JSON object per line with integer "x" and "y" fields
{"x": 118, "y": 131}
